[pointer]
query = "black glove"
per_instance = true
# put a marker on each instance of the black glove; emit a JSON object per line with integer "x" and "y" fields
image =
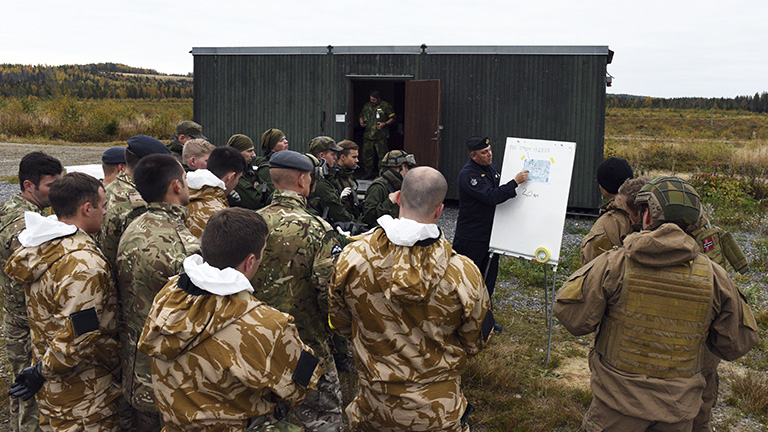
{"x": 28, "y": 382}
{"x": 353, "y": 228}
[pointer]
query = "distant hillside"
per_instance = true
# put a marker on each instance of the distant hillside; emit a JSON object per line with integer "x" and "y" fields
{"x": 757, "y": 103}
{"x": 91, "y": 81}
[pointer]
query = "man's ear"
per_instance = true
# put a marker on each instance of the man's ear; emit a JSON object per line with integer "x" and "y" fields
{"x": 177, "y": 186}
{"x": 397, "y": 198}
{"x": 28, "y": 185}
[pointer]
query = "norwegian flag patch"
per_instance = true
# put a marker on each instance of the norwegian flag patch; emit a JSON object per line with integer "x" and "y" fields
{"x": 708, "y": 244}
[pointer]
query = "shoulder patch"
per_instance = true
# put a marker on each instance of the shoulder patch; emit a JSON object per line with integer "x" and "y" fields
{"x": 473, "y": 181}
{"x": 707, "y": 244}
{"x": 84, "y": 321}
{"x": 336, "y": 250}
{"x": 305, "y": 368}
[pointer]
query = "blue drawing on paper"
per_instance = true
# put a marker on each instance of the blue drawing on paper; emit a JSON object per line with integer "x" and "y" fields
{"x": 539, "y": 170}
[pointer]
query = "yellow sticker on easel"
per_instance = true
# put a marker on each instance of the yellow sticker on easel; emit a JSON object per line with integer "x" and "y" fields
{"x": 541, "y": 255}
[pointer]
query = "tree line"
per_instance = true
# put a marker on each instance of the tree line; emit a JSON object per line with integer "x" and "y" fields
{"x": 757, "y": 103}
{"x": 91, "y": 81}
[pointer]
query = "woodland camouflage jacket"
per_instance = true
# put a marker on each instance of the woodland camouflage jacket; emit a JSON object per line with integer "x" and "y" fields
{"x": 413, "y": 315}
{"x": 297, "y": 266}
{"x": 73, "y": 319}
{"x": 204, "y": 203}
{"x": 220, "y": 360}
{"x": 123, "y": 202}
{"x": 151, "y": 251}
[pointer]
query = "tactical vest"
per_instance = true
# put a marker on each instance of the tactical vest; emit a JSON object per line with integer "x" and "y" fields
{"x": 659, "y": 324}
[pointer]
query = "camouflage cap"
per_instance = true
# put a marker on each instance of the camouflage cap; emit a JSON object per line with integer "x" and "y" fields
{"x": 323, "y": 143}
{"x": 190, "y": 128}
{"x": 291, "y": 160}
{"x": 670, "y": 199}
{"x": 395, "y": 158}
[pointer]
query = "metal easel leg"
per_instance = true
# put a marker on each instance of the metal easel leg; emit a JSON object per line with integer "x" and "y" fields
{"x": 550, "y": 307}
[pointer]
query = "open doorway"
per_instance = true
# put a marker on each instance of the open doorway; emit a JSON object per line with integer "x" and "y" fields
{"x": 392, "y": 91}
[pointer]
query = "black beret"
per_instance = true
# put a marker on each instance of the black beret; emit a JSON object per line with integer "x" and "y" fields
{"x": 114, "y": 155}
{"x": 477, "y": 143}
{"x": 291, "y": 160}
{"x": 612, "y": 173}
{"x": 143, "y": 145}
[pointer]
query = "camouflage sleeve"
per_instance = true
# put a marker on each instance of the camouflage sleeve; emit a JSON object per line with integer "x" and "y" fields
{"x": 339, "y": 317}
{"x": 733, "y": 331}
{"x": 474, "y": 297}
{"x": 581, "y": 302}
{"x": 108, "y": 237}
{"x": 389, "y": 112}
{"x": 376, "y": 204}
{"x": 322, "y": 268}
{"x": 81, "y": 293}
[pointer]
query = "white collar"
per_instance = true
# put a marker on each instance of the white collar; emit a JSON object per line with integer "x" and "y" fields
{"x": 216, "y": 281}
{"x": 406, "y": 232}
{"x": 202, "y": 177}
{"x": 40, "y": 229}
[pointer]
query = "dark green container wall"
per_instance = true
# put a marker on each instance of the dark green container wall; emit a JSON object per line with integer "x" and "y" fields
{"x": 539, "y": 96}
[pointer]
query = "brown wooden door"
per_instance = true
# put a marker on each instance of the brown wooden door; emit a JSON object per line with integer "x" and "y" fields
{"x": 422, "y": 121}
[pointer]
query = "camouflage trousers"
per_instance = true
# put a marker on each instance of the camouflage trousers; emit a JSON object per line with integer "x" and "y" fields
{"x": 372, "y": 152}
{"x": 24, "y": 414}
{"x": 601, "y": 418}
{"x": 321, "y": 410}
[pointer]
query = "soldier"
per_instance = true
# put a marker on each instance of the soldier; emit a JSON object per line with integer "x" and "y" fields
{"x": 185, "y": 131}
{"x": 200, "y": 381}
{"x": 195, "y": 154}
{"x": 208, "y": 188}
{"x": 112, "y": 163}
{"x": 414, "y": 309}
{"x": 298, "y": 262}
{"x": 625, "y": 200}
{"x": 249, "y": 192}
{"x": 151, "y": 251}
{"x": 329, "y": 206}
{"x": 37, "y": 171}
{"x": 376, "y": 117}
{"x": 124, "y": 202}
{"x": 380, "y": 196}
{"x": 613, "y": 224}
{"x": 72, "y": 308}
{"x": 479, "y": 194}
{"x": 344, "y": 177}
{"x": 656, "y": 302}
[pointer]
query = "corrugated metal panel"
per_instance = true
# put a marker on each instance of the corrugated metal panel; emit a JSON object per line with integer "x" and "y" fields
{"x": 506, "y": 91}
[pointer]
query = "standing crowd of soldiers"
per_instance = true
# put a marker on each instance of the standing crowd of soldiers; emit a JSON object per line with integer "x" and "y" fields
{"x": 207, "y": 288}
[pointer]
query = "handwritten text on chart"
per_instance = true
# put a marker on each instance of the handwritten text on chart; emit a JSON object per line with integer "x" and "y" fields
{"x": 529, "y": 193}
{"x": 530, "y": 149}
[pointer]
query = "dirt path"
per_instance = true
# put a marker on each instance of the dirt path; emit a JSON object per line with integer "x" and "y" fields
{"x": 11, "y": 154}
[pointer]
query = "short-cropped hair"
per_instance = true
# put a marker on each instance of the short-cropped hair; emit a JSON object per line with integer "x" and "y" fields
{"x": 231, "y": 235}
{"x": 348, "y": 146}
{"x": 71, "y": 191}
{"x": 154, "y": 173}
{"x": 423, "y": 190}
{"x": 197, "y": 147}
{"x": 37, "y": 164}
{"x": 224, "y": 160}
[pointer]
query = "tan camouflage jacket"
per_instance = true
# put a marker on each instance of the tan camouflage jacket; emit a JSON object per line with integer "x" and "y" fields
{"x": 582, "y": 302}
{"x": 123, "y": 202}
{"x": 297, "y": 265}
{"x": 11, "y": 224}
{"x": 73, "y": 317}
{"x": 220, "y": 360}
{"x": 413, "y": 315}
{"x": 608, "y": 231}
{"x": 151, "y": 251}
{"x": 204, "y": 203}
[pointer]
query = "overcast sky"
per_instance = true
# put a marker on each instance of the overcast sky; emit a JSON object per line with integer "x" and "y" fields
{"x": 662, "y": 48}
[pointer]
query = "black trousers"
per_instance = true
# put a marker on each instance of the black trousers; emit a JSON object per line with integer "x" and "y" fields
{"x": 478, "y": 253}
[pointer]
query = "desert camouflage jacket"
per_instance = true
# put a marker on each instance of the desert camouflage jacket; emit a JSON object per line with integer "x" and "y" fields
{"x": 124, "y": 203}
{"x": 220, "y": 360}
{"x": 11, "y": 224}
{"x": 204, "y": 203}
{"x": 151, "y": 251}
{"x": 413, "y": 314}
{"x": 297, "y": 265}
{"x": 587, "y": 296}
{"x": 73, "y": 319}
{"x": 608, "y": 231}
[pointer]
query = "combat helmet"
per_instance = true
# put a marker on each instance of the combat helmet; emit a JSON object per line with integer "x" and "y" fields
{"x": 395, "y": 158}
{"x": 670, "y": 199}
{"x": 320, "y": 167}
